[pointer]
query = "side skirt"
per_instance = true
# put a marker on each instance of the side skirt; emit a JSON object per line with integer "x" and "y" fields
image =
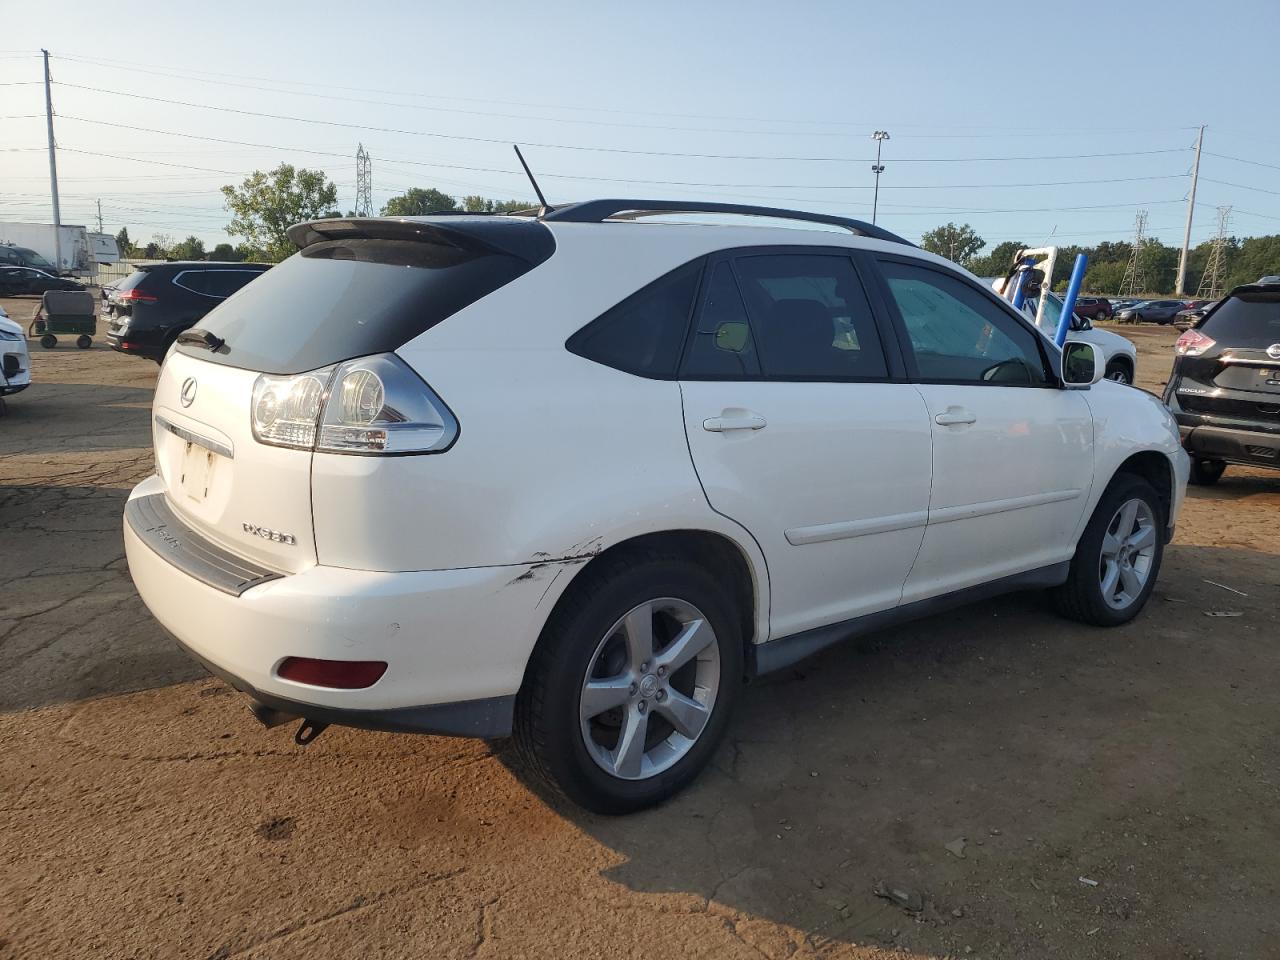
{"x": 775, "y": 654}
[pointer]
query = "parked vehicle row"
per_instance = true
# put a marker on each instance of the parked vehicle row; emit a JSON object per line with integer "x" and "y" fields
{"x": 575, "y": 478}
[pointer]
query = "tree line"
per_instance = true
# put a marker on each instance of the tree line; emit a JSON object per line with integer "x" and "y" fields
{"x": 267, "y": 203}
{"x": 1246, "y": 259}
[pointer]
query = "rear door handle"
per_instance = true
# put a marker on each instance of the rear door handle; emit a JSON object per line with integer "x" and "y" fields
{"x": 734, "y": 420}
{"x": 954, "y": 417}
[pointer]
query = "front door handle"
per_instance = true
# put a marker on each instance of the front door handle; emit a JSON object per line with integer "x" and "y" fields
{"x": 954, "y": 417}
{"x": 736, "y": 419}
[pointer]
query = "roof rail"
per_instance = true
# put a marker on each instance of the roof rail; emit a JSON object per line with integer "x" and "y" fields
{"x": 597, "y": 211}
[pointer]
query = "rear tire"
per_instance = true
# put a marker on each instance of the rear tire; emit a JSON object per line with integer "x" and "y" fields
{"x": 1207, "y": 472}
{"x": 1117, "y": 560}
{"x": 84, "y": 342}
{"x": 586, "y": 652}
{"x": 48, "y": 341}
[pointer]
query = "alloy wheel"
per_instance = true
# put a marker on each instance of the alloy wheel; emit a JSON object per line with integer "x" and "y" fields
{"x": 649, "y": 689}
{"x": 1128, "y": 554}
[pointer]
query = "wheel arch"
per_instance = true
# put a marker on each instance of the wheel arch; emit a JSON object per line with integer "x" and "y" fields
{"x": 1154, "y": 467}
{"x": 741, "y": 566}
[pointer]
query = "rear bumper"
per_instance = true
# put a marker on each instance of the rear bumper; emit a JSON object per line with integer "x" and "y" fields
{"x": 1254, "y": 447}
{"x": 456, "y": 641}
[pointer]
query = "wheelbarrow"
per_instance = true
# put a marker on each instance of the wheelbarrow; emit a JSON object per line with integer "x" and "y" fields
{"x": 67, "y": 312}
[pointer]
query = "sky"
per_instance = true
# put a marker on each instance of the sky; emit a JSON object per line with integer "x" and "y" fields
{"x": 1053, "y": 129}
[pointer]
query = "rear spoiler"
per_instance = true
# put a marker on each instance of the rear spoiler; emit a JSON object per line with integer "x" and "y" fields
{"x": 523, "y": 238}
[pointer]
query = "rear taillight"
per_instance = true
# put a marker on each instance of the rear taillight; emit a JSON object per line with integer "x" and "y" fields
{"x": 334, "y": 674}
{"x": 373, "y": 405}
{"x": 136, "y": 296}
{"x": 1192, "y": 344}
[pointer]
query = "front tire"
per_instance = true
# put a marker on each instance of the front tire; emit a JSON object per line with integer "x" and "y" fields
{"x": 1119, "y": 371}
{"x": 1117, "y": 560}
{"x": 632, "y": 683}
{"x": 48, "y": 341}
{"x": 1207, "y": 472}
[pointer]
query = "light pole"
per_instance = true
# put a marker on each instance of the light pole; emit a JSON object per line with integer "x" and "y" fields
{"x": 880, "y": 136}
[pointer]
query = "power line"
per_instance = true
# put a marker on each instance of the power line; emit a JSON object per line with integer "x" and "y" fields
{"x": 1255, "y": 163}
{"x": 621, "y": 150}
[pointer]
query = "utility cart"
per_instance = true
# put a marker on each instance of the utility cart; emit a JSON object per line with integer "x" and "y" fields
{"x": 71, "y": 313}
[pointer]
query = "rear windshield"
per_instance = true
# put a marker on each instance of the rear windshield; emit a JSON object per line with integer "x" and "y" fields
{"x": 1246, "y": 320}
{"x": 339, "y": 299}
{"x": 132, "y": 280}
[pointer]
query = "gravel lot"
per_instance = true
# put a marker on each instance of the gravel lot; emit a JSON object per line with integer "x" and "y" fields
{"x": 144, "y": 813}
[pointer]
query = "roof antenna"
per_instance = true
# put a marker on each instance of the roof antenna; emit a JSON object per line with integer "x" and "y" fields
{"x": 544, "y": 207}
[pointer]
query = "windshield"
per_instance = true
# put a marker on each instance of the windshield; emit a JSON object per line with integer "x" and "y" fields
{"x": 33, "y": 259}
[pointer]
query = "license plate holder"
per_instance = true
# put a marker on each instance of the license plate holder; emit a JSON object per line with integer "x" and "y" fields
{"x": 197, "y": 469}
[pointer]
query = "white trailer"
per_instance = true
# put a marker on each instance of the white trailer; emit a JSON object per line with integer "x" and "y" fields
{"x": 77, "y": 258}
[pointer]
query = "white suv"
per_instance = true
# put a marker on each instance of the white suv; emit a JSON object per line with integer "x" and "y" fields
{"x": 578, "y": 476}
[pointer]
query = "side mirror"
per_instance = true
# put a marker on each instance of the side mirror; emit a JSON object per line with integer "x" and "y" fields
{"x": 1082, "y": 365}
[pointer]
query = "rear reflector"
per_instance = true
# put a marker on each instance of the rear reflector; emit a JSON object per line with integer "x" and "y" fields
{"x": 335, "y": 674}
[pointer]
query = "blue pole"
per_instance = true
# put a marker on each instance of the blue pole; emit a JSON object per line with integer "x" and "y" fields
{"x": 1020, "y": 279}
{"x": 1069, "y": 301}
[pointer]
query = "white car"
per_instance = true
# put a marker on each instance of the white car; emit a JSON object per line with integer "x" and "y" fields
{"x": 577, "y": 476}
{"x": 15, "y": 361}
{"x": 1120, "y": 356}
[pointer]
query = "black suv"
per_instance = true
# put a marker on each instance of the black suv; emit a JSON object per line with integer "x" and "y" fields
{"x": 158, "y": 301}
{"x": 1224, "y": 390}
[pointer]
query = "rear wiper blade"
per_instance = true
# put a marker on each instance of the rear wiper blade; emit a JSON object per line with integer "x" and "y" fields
{"x": 201, "y": 338}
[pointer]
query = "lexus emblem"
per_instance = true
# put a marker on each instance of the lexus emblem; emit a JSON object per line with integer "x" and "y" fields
{"x": 1273, "y": 351}
{"x": 188, "y": 395}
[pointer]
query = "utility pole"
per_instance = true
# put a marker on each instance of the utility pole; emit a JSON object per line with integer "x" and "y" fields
{"x": 880, "y": 136}
{"x": 99, "y": 215}
{"x": 364, "y": 182}
{"x": 1216, "y": 268}
{"x": 1135, "y": 275}
{"x": 53, "y": 168}
{"x": 1191, "y": 210}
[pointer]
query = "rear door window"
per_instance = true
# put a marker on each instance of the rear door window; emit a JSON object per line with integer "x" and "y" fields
{"x": 223, "y": 283}
{"x": 811, "y": 318}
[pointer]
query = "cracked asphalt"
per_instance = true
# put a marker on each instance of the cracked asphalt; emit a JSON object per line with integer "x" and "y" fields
{"x": 143, "y": 813}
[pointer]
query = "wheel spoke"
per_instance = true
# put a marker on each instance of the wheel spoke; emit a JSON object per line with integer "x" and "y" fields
{"x": 629, "y": 753}
{"x": 1142, "y": 538}
{"x": 1132, "y": 582}
{"x": 601, "y": 695}
{"x": 638, "y": 628}
{"x": 693, "y": 638}
{"x": 1110, "y": 544}
{"x": 1128, "y": 519}
{"x": 1110, "y": 579}
{"x": 687, "y": 715}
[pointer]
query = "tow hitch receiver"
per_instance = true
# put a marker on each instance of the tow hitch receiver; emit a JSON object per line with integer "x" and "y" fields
{"x": 308, "y": 730}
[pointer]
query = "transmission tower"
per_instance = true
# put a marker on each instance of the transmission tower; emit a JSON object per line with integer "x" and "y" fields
{"x": 1135, "y": 277}
{"x": 364, "y": 183}
{"x": 1211, "y": 280}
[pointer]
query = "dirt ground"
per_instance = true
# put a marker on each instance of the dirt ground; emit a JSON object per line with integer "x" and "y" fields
{"x": 1117, "y": 791}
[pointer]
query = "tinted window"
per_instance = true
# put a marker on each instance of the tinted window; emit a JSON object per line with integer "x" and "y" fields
{"x": 722, "y": 345}
{"x": 194, "y": 280}
{"x": 223, "y": 283}
{"x": 1245, "y": 320}
{"x": 134, "y": 279}
{"x": 339, "y": 299}
{"x": 811, "y": 317}
{"x": 644, "y": 333}
{"x": 959, "y": 336}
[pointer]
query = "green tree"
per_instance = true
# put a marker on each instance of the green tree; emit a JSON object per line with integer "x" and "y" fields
{"x": 957, "y": 243}
{"x": 158, "y": 248}
{"x": 1257, "y": 257}
{"x": 267, "y": 204}
{"x": 476, "y": 204}
{"x": 225, "y": 252}
{"x": 125, "y": 244}
{"x": 191, "y": 248}
{"x": 417, "y": 202}
{"x": 998, "y": 261}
